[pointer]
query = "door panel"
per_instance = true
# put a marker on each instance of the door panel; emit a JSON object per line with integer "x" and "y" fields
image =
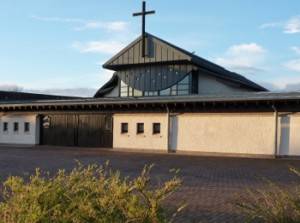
{"x": 92, "y": 130}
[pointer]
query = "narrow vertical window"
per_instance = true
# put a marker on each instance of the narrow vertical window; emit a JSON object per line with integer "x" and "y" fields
{"x": 124, "y": 128}
{"x": 27, "y": 127}
{"x": 108, "y": 123}
{"x": 156, "y": 128}
{"x": 140, "y": 128}
{"x": 5, "y": 127}
{"x": 16, "y": 126}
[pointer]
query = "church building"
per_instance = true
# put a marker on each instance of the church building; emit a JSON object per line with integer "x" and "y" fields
{"x": 162, "y": 98}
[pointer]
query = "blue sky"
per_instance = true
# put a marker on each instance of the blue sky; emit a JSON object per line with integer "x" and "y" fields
{"x": 58, "y": 46}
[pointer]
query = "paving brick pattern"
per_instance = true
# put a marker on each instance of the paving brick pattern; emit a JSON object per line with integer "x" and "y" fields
{"x": 211, "y": 184}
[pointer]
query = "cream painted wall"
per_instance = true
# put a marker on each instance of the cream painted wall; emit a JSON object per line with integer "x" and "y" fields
{"x": 226, "y": 133}
{"x": 141, "y": 141}
{"x": 211, "y": 85}
{"x": 289, "y": 135}
{"x": 20, "y": 137}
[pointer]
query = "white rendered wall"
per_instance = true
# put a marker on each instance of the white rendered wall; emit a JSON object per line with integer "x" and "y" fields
{"x": 132, "y": 140}
{"x": 289, "y": 135}
{"x": 226, "y": 133}
{"x": 113, "y": 93}
{"x": 20, "y": 137}
{"x": 211, "y": 85}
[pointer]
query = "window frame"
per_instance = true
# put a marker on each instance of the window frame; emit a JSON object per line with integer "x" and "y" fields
{"x": 27, "y": 127}
{"x": 124, "y": 128}
{"x": 154, "y": 130}
{"x": 140, "y": 130}
{"x": 16, "y": 127}
{"x": 5, "y": 127}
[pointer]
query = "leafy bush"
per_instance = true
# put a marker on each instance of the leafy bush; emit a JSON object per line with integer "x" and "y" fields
{"x": 90, "y": 194}
{"x": 274, "y": 205}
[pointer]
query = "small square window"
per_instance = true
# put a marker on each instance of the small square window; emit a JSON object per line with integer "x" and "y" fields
{"x": 124, "y": 128}
{"x": 16, "y": 126}
{"x": 26, "y": 127}
{"x": 5, "y": 127}
{"x": 140, "y": 128}
{"x": 156, "y": 128}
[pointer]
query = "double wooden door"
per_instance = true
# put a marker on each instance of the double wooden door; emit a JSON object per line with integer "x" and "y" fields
{"x": 84, "y": 130}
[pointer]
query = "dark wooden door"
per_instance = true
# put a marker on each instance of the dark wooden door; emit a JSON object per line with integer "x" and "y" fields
{"x": 91, "y": 130}
{"x": 95, "y": 131}
{"x": 61, "y": 131}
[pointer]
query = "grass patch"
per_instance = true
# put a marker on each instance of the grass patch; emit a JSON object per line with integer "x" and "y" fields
{"x": 272, "y": 205}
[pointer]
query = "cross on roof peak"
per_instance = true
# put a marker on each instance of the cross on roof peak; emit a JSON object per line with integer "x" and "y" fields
{"x": 144, "y": 13}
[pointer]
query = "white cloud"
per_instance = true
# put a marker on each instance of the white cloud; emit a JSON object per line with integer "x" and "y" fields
{"x": 243, "y": 57}
{"x": 57, "y": 19}
{"x": 290, "y": 26}
{"x": 83, "y": 24}
{"x": 106, "y": 47}
{"x": 296, "y": 49}
{"x": 293, "y": 65}
{"x": 116, "y": 26}
{"x": 271, "y": 25}
{"x": 293, "y": 25}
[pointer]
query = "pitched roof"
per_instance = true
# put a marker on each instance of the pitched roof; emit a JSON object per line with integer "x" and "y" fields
{"x": 108, "y": 87}
{"x": 181, "y": 55}
{"x": 22, "y": 96}
{"x": 242, "y": 97}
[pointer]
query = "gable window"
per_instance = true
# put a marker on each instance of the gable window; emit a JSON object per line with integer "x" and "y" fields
{"x": 156, "y": 128}
{"x": 183, "y": 87}
{"x": 27, "y": 127}
{"x": 16, "y": 126}
{"x": 5, "y": 126}
{"x": 137, "y": 93}
{"x": 140, "y": 128}
{"x": 124, "y": 128}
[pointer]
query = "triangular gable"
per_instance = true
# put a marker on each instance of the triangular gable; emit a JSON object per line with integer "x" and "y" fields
{"x": 158, "y": 51}
{"x": 163, "y": 52}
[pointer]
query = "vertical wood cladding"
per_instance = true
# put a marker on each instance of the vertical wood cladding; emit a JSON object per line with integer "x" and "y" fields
{"x": 156, "y": 51}
{"x": 91, "y": 130}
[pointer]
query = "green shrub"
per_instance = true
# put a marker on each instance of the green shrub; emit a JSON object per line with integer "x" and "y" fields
{"x": 87, "y": 194}
{"x": 272, "y": 205}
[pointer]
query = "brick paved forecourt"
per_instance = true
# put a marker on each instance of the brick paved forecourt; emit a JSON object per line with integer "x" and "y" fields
{"x": 210, "y": 186}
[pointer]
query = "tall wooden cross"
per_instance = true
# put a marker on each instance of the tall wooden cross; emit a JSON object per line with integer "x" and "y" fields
{"x": 143, "y": 14}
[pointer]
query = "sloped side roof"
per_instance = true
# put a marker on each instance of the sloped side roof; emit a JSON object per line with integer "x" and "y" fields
{"x": 108, "y": 87}
{"x": 165, "y": 52}
{"x": 22, "y": 96}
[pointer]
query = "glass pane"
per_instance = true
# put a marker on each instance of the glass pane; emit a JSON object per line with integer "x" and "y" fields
{"x": 183, "y": 87}
{"x": 153, "y": 93}
{"x": 130, "y": 92}
{"x": 124, "y": 93}
{"x": 123, "y": 84}
{"x": 166, "y": 92}
{"x": 183, "y": 92}
{"x": 137, "y": 93}
{"x": 186, "y": 80}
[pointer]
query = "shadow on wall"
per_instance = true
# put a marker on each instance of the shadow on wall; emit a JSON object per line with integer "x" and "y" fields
{"x": 284, "y": 147}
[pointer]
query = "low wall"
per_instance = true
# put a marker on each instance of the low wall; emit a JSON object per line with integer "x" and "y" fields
{"x": 19, "y": 137}
{"x": 147, "y": 140}
{"x": 232, "y": 133}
